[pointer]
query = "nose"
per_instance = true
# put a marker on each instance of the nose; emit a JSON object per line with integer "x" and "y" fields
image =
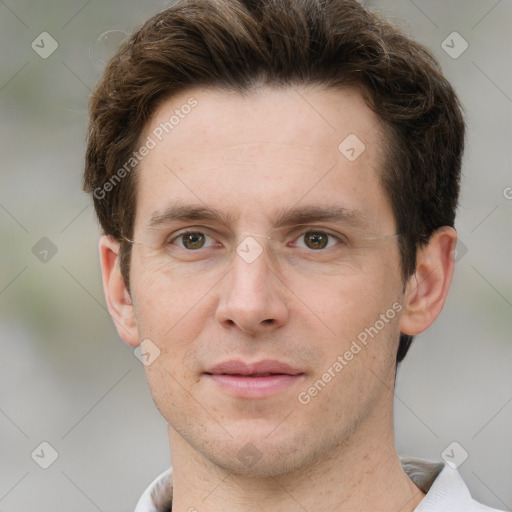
{"x": 253, "y": 297}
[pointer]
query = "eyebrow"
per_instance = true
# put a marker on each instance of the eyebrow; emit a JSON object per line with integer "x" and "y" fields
{"x": 307, "y": 214}
{"x": 189, "y": 212}
{"x": 285, "y": 217}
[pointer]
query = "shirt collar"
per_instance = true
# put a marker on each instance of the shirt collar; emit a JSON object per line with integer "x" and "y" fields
{"x": 442, "y": 484}
{"x": 158, "y": 495}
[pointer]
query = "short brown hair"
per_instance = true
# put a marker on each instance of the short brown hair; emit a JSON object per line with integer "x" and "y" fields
{"x": 241, "y": 44}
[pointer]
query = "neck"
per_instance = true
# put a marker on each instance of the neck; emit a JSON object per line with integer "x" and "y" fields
{"x": 362, "y": 473}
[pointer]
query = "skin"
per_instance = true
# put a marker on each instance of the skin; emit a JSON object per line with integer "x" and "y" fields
{"x": 251, "y": 157}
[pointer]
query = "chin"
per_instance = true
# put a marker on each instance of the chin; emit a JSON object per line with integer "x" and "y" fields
{"x": 262, "y": 456}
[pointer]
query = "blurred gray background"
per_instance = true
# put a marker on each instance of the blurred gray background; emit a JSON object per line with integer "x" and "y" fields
{"x": 67, "y": 379}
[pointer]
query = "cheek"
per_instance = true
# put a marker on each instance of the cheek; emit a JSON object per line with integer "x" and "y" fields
{"x": 348, "y": 304}
{"x": 167, "y": 312}
{"x": 362, "y": 313}
{"x": 173, "y": 326}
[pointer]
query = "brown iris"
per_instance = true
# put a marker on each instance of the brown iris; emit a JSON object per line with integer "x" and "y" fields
{"x": 193, "y": 240}
{"x": 316, "y": 240}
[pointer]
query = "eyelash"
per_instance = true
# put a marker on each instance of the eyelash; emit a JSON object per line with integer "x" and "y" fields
{"x": 171, "y": 241}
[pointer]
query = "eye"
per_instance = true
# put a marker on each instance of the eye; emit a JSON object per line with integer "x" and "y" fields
{"x": 190, "y": 240}
{"x": 317, "y": 240}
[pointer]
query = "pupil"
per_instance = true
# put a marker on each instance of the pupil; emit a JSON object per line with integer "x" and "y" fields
{"x": 318, "y": 240}
{"x": 193, "y": 240}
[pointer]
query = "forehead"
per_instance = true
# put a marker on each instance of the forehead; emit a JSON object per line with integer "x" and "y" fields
{"x": 261, "y": 152}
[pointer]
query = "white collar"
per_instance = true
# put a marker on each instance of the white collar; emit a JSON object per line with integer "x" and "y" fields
{"x": 444, "y": 488}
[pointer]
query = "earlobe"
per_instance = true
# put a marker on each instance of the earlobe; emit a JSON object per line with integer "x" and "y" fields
{"x": 427, "y": 289}
{"x": 117, "y": 296}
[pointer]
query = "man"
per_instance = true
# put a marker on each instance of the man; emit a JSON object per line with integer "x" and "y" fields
{"x": 277, "y": 183}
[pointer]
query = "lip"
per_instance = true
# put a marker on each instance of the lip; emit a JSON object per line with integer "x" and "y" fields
{"x": 238, "y": 367}
{"x": 254, "y": 380}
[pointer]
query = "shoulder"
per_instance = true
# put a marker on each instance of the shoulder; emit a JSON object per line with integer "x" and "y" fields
{"x": 444, "y": 487}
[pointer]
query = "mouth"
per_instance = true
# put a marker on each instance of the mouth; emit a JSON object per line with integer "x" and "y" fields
{"x": 255, "y": 380}
{"x": 252, "y": 375}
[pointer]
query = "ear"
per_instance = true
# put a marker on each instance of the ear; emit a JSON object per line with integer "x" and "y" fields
{"x": 118, "y": 299}
{"x": 427, "y": 289}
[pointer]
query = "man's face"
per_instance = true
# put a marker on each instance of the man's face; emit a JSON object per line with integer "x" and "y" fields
{"x": 302, "y": 297}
